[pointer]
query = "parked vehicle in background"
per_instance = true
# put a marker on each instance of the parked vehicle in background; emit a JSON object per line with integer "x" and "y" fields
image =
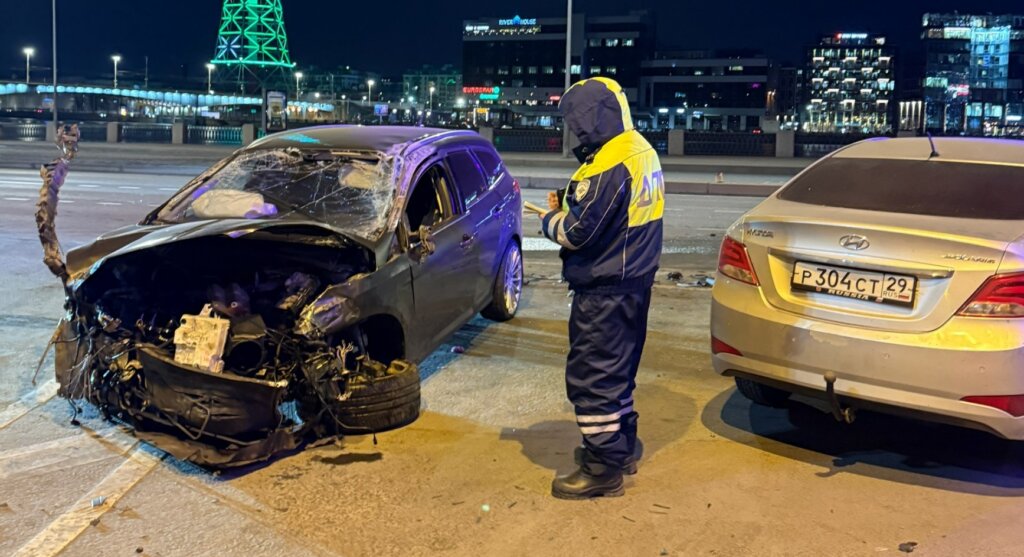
{"x": 888, "y": 275}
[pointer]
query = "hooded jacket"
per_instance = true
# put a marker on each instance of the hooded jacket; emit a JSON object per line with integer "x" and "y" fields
{"x": 610, "y": 226}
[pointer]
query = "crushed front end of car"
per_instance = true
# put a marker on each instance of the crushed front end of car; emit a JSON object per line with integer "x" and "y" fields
{"x": 226, "y": 341}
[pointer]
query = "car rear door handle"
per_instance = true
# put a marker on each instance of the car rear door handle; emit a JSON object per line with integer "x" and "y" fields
{"x": 467, "y": 240}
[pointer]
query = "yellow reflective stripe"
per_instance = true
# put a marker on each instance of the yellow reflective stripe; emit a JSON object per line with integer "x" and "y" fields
{"x": 618, "y": 149}
{"x": 647, "y": 199}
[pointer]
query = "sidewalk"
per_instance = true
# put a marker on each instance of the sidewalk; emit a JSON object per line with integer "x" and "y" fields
{"x": 691, "y": 175}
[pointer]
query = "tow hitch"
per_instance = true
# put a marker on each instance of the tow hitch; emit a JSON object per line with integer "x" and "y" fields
{"x": 845, "y": 415}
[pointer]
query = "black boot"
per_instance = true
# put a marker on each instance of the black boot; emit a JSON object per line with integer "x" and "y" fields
{"x": 591, "y": 479}
{"x": 629, "y": 467}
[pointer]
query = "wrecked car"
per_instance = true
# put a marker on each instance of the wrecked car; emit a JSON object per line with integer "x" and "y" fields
{"x": 288, "y": 293}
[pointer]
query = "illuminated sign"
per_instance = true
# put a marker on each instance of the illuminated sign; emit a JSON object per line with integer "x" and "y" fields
{"x": 962, "y": 90}
{"x": 476, "y": 90}
{"x": 555, "y": 98}
{"x": 851, "y": 36}
{"x": 489, "y": 97}
{"x": 478, "y": 28}
{"x": 517, "y": 21}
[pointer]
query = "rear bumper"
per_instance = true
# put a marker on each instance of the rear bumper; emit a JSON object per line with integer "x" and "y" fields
{"x": 919, "y": 374}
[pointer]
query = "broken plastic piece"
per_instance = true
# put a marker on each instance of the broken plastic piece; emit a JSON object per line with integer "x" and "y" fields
{"x": 98, "y": 501}
{"x": 200, "y": 340}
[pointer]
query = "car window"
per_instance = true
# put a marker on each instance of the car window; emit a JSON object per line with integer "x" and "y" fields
{"x": 937, "y": 188}
{"x": 427, "y": 203}
{"x": 468, "y": 176}
{"x": 492, "y": 166}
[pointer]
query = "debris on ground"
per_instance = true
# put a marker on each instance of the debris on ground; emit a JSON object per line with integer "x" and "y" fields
{"x": 667, "y": 508}
{"x": 627, "y": 518}
{"x": 908, "y": 547}
{"x": 138, "y": 550}
{"x": 98, "y": 501}
{"x": 5, "y": 508}
{"x": 485, "y": 508}
{"x": 697, "y": 281}
{"x": 458, "y": 349}
{"x": 675, "y": 276}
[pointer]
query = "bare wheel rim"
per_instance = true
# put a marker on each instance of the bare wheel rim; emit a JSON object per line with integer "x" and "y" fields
{"x": 513, "y": 279}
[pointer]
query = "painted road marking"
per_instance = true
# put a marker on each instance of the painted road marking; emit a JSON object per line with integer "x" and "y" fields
{"x": 84, "y": 447}
{"x": 128, "y": 187}
{"x": 89, "y": 186}
{"x": 168, "y": 189}
{"x": 15, "y": 199}
{"x": 729, "y": 211}
{"x": 112, "y": 203}
{"x": 68, "y": 526}
{"x": 26, "y": 403}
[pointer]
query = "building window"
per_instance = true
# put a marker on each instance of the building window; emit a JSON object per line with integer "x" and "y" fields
{"x": 611, "y": 70}
{"x": 594, "y": 42}
{"x": 575, "y": 69}
{"x": 532, "y": 70}
{"x": 611, "y": 42}
{"x": 735, "y": 68}
{"x": 517, "y": 70}
{"x": 503, "y": 70}
{"x": 628, "y": 42}
{"x": 595, "y": 70}
{"x": 548, "y": 70}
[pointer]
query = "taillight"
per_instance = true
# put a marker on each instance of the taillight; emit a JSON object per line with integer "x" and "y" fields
{"x": 734, "y": 262}
{"x": 1000, "y": 296}
{"x": 515, "y": 185}
{"x": 1011, "y": 404}
{"x": 719, "y": 347}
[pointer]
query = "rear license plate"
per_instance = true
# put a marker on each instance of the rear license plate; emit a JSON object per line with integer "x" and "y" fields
{"x": 882, "y": 288}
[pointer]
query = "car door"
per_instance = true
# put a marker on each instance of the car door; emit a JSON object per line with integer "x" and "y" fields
{"x": 484, "y": 212}
{"x": 444, "y": 282}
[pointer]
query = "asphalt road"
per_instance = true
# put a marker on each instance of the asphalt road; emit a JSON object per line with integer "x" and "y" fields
{"x": 471, "y": 476}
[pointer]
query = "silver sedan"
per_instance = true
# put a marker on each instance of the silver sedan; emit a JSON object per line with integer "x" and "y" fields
{"x": 888, "y": 275}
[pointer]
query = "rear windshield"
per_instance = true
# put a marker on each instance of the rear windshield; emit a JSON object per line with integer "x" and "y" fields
{"x": 944, "y": 189}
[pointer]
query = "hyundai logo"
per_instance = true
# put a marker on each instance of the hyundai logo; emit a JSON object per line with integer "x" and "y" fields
{"x": 854, "y": 242}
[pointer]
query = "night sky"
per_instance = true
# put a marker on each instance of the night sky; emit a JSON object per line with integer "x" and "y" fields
{"x": 394, "y": 36}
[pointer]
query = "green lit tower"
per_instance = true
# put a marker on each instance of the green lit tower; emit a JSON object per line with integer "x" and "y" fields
{"x": 252, "y": 38}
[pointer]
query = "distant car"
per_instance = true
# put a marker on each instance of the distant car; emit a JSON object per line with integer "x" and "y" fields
{"x": 289, "y": 291}
{"x": 888, "y": 275}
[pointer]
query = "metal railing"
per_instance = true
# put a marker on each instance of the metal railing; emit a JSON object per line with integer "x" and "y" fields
{"x": 730, "y": 144}
{"x": 22, "y": 131}
{"x": 820, "y": 144}
{"x": 146, "y": 133}
{"x": 93, "y": 131}
{"x": 658, "y": 140}
{"x": 214, "y": 135}
{"x": 528, "y": 141}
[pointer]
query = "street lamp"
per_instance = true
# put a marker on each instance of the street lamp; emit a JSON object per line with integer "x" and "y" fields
{"x": 29, "y": 51}
{"x": 369, "y": 89}
{"x": 209, "y": 77}
{"x": 116, "y": 58}
{"x": 431, "y": 97}
{"x": 298, "y": 79}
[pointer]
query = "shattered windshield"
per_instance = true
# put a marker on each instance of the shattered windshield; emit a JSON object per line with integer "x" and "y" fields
{"x": 352, "y": 192}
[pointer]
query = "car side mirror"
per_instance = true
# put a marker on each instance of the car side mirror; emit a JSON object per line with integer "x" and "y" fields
{"x": 422, "y": 243}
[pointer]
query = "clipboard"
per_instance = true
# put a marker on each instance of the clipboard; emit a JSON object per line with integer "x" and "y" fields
{"x": 535, "y": 208}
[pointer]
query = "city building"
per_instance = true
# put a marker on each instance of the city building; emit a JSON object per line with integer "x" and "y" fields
{"x": 514, "y": 68}
{"x": 785, "y": 96}
{"x": 974, "y": 73}
{"x": 445, "y": 81}
{"x": 850, "y": 85}
{"x": 705, "y": 90}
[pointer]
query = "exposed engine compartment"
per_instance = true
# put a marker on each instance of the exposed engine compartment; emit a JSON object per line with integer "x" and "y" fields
{"x": 221, "y": 350}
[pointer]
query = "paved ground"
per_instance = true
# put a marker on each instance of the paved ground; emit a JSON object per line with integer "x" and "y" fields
{"x": 471, "y": 476}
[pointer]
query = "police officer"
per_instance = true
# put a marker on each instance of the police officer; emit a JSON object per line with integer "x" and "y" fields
{"x": 609, "y": 226}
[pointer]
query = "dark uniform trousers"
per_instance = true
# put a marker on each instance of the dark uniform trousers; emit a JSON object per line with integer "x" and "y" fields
{"x": 606, "y": 336}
